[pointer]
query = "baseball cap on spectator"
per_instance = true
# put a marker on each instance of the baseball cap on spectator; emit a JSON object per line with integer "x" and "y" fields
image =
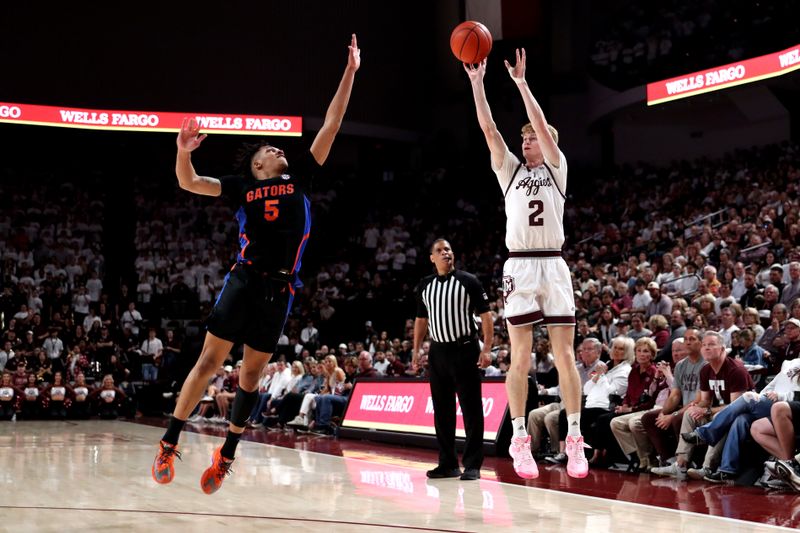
{"x": 368, "y": 323}
{"x": 228, "y": 368}
{"x": 239, "y": 362}
{"x": 767, "y": 220}
{"x": 343, "y": 346}
{"x": 777, "y": 266}
{"x": 793, "y": 321}
{"x": 652, "y": 285}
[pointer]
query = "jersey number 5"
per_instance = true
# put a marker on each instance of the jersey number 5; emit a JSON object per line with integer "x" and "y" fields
{"x": 538, "y": 209}
{"x": 271, "y": 211}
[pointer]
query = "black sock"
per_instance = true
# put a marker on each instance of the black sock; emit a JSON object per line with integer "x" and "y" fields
{"x": 173, "y": 431}
{"x": 229, "y": 448}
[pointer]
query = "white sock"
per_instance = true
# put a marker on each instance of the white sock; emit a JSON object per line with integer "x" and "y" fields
{"x": 519, "y": 427}
{"x": 574, "y": 425}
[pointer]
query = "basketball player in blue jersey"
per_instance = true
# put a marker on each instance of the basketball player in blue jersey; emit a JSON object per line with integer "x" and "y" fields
{"x": 537, "y": 287}
{"x": 272, "y": 208}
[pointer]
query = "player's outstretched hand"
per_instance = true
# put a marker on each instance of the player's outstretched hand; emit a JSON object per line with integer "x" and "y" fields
{"x": 354, "y": 54}
{"x": 476, "y": 72}
{"x": 189, "y": 137}
{"x": 517, "y": 72}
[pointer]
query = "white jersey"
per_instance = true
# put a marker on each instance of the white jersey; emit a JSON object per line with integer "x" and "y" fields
{"x": 534, "y": 203}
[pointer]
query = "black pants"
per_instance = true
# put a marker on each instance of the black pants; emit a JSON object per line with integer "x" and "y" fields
{"x": 290, "y": 407}
{"x": 589, "y": 418}
{"x": 454, "y": 370}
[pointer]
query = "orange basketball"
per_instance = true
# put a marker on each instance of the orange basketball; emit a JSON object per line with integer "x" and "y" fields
{"x": 471, "y": 42}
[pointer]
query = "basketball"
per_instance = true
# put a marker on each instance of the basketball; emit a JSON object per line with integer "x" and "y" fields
{"x": 471, "y": 42}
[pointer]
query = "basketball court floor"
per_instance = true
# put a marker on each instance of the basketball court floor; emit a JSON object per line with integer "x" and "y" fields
{"x": 95, "y": 475}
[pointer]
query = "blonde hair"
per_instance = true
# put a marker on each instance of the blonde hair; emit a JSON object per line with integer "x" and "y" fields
{"x": 627, "y": 345}
{"x": 751, "y": 312}
{"x": 528, "y": 129}
{"x": 658, "y": 322}
{"x": 649, "y": 343}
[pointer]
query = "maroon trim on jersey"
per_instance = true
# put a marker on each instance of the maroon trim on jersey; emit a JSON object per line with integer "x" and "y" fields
{"x": 513, "y": 177}
{"x": 559, "y": 320}
{"x": 536, "y": 253}
{"x": 550, "y": 171}
{"x": 524, "y": 320}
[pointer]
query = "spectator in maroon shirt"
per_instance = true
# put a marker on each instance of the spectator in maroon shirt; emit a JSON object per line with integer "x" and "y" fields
{"x": 722, "y": 381}
{"x": 396, "y": 367}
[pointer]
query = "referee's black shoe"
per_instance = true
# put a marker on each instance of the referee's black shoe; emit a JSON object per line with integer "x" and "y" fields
{"x": 440, "y": 472}
{"x": 470, "y": 474}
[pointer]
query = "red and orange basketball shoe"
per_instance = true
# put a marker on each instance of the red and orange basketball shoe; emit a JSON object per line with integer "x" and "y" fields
{"x": 163, "y": 466}
{"x": 212, "y": 478}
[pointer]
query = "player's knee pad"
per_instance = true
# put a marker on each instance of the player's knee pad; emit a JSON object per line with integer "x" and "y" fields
{"x": 243, "y": 403}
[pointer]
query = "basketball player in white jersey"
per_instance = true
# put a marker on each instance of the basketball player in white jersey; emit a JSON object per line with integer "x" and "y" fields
{"x": 537, "y": 287}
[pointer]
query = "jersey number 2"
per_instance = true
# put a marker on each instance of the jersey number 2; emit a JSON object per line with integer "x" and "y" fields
{"x": 538, "y": 208}
{"x": 271, "y": 211}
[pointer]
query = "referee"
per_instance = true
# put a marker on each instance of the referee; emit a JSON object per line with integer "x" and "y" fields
{"x": 446, "y": 302}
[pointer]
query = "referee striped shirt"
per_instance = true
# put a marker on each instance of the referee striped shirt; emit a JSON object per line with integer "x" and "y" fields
{"x": 449, "y": 303}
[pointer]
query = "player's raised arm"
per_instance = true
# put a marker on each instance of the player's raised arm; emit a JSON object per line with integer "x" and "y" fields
{"x": 321, "y": 146}
{"x": 497, "y": 145}
{"x": 189, "y": 138}
{"x": 535, "y": 113}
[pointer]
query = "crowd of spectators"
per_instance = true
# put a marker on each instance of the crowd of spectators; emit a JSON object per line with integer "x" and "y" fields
{"x": 714, "y": 245}
{"x": 636, "y": 43}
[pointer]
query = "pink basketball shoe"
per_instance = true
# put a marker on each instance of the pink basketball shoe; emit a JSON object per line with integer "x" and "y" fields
{"x": 520, "y": 451}
{"x": 577, "y": 465}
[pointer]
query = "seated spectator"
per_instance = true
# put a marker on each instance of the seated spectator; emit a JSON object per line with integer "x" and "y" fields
{"x": 588, "y": 363}
{"x": 786, "y": 346}
{"x": 108, "y": 400}
{"x": 282, "y": 380}
{"x": 30, "y": 408}
{"x": 732, "y": 425}
{"x": 334, "y": 384}
{"x": 644, "y": 385}
{"x": 777, "y": 434}
{"x": 396, "y": 367}
{"x": 544, "y": 364}
{"x": 225, "y": 396}
{"x": 751, "y": 320}
{"x": 267, "y": 373}
{"x": 328, "y": 404}
{"x": 57, "y": 398}
{"x": 208, "y": 402}
{"x": 381, "y": 365}
{"x": 753, "y": 355}
{"x": 638, "y": 330}
{"x": 311, "y": 383}
{"x": 722, "y": 381}
{"x": 10, "y": 397}
{"x": 660, "y": 327}
{"x": 81, "y": 404}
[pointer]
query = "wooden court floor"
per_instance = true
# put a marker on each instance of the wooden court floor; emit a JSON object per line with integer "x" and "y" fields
{"x": 95, "y": 476}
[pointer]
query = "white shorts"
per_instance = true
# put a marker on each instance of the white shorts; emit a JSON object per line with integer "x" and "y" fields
{"x": 538, "y": 290}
